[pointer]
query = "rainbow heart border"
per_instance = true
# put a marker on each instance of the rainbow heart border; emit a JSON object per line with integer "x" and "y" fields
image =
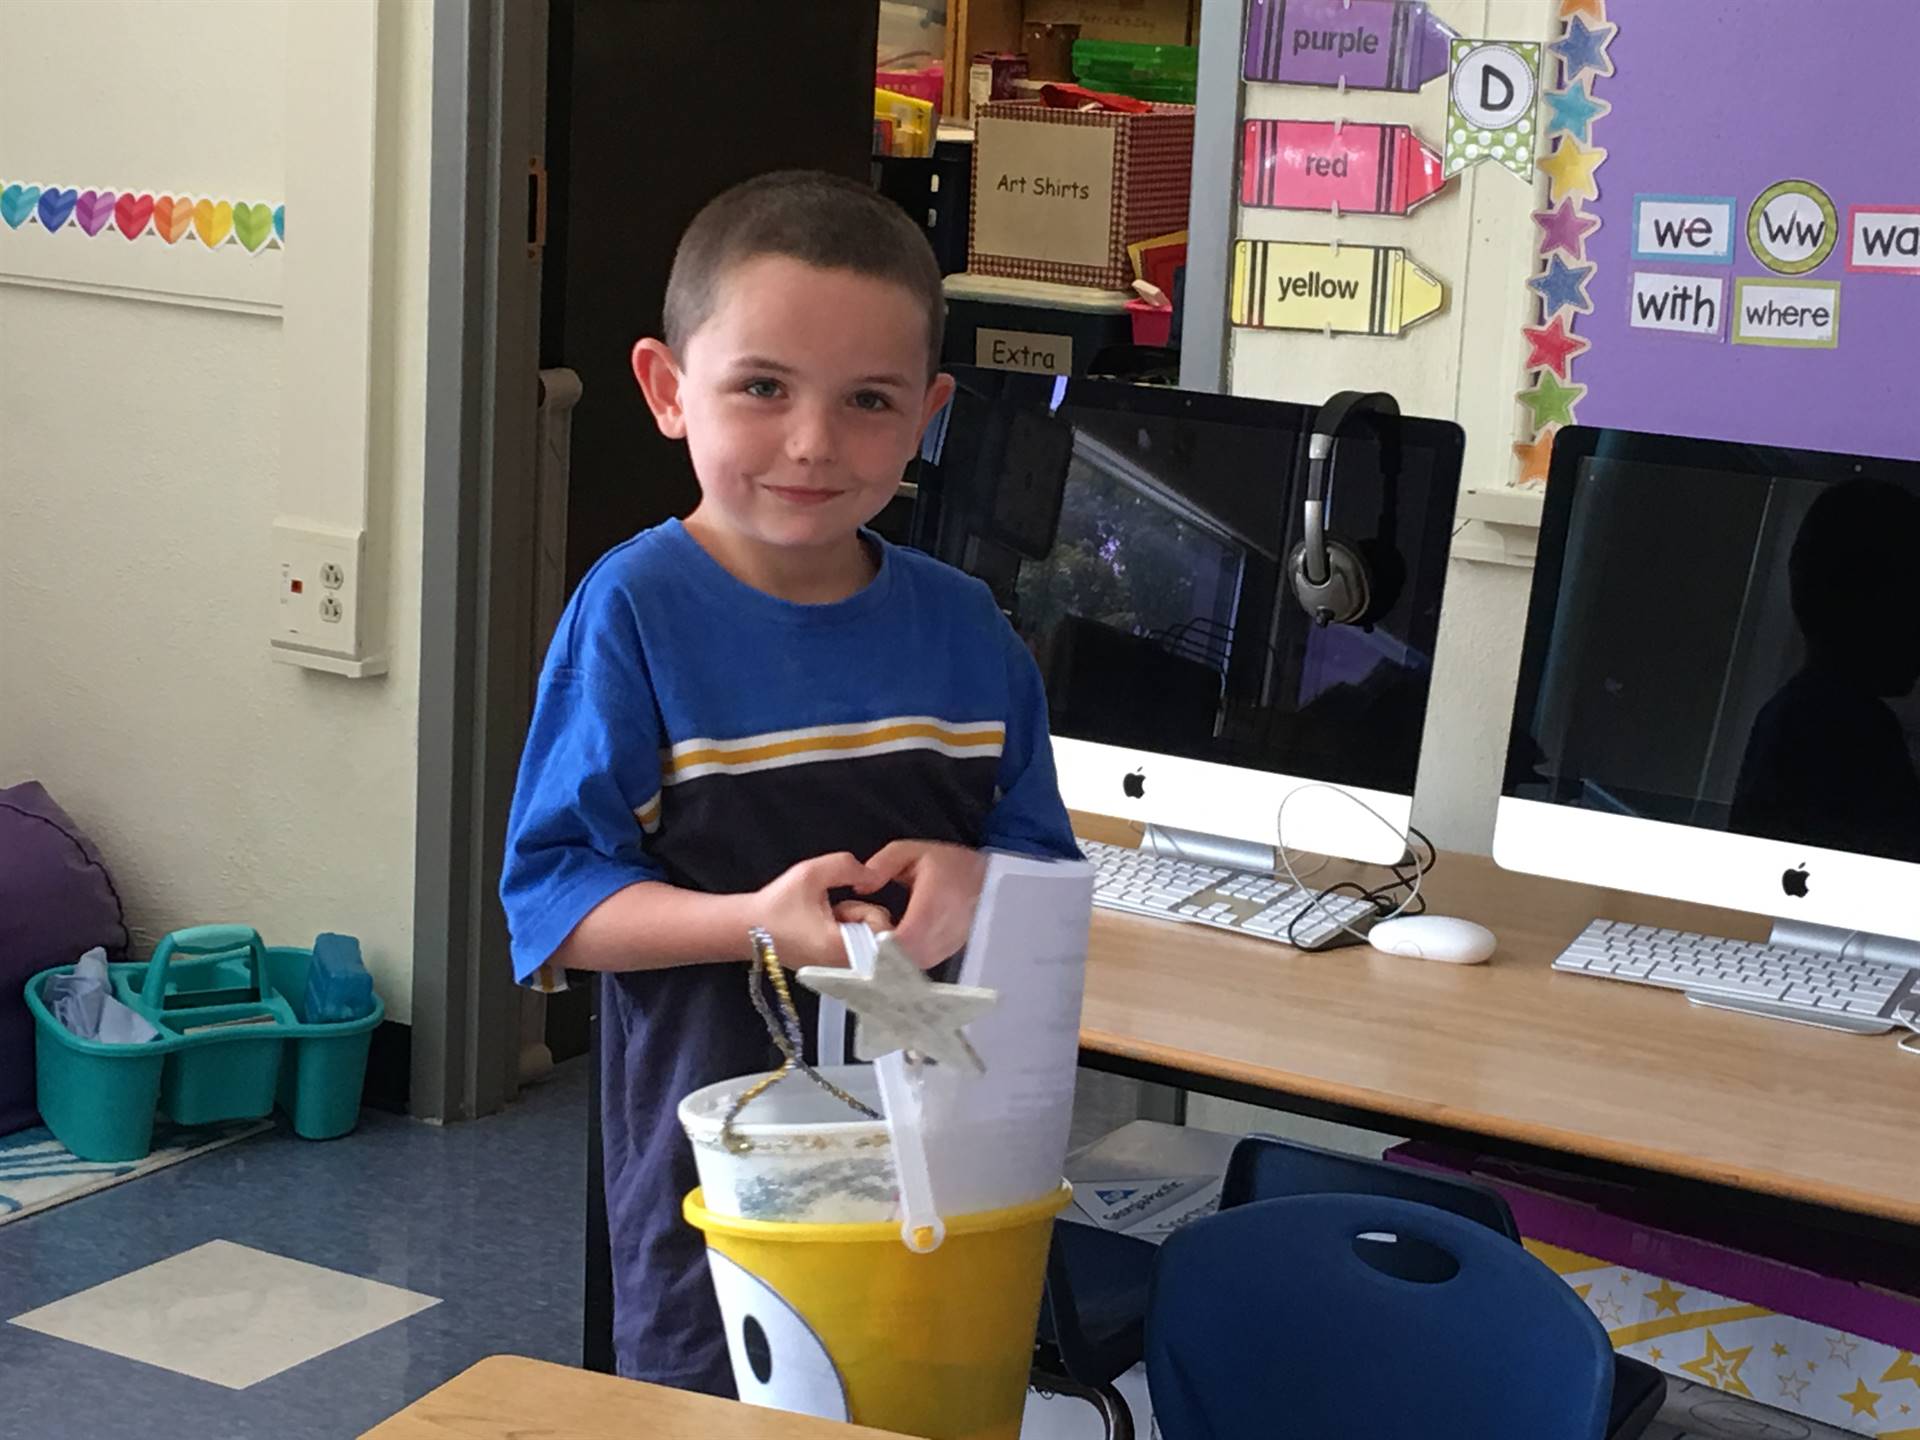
{"x": 109, "y": 217}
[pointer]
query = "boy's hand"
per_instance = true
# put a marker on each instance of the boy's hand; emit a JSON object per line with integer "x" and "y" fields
{"x": 944, "y": 885}
{"x": 802, "y": 918}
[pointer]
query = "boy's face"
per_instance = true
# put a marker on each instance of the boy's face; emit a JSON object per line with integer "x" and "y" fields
{"x": 801, "y": 399}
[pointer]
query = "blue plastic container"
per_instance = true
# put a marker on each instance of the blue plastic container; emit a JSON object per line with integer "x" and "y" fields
{"x": 231, "y": 1047}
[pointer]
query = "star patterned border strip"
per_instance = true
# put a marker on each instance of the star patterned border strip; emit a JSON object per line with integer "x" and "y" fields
{"x": 1581, "y": 61}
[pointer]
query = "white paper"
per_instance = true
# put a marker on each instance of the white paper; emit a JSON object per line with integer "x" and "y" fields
{"x": 1000, "y": 1139}
{"x": 1147, "y": 1209}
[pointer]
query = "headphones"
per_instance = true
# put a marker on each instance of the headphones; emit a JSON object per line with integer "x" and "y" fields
{"x": 1331, "y": 578}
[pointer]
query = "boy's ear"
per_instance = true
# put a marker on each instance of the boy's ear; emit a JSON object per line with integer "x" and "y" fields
{"x": 938, "y": 394}
{"x": 659, "y": 376}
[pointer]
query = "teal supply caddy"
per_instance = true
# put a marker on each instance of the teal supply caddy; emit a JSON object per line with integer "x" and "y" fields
{"x": 234, "y": 1041}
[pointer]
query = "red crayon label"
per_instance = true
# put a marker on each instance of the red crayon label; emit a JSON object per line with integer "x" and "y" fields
{"x": 1317, "y": 164}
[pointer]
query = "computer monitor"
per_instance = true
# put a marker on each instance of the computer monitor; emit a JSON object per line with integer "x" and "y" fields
{"x": 1138, "y": 537}
{"x": 1717, "y": 697}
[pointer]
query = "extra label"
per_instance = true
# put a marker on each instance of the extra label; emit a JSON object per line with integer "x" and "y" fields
{"x": 1355, "y": 290}
{"x": 1026, "y": 350}
{"x": 1318, "y": 164}
{"x": 1368, "y": 44}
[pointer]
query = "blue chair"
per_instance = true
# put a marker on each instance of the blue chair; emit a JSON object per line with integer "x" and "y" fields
{"x": 1093, "y": 1322}
{"x": 1265, "y": 1168}
{"x": 1362, "y": 1317}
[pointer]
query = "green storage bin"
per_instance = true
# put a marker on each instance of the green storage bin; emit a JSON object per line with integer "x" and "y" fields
{"x": 1163, "y": 74}
{"x": 232, "y": 1047}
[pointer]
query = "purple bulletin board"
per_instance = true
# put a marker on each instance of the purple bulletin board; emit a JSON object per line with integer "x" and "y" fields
{"x": 1725, "y": 98}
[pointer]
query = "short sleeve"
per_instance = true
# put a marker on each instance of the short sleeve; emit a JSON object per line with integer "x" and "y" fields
{"x": 588, "y": 794}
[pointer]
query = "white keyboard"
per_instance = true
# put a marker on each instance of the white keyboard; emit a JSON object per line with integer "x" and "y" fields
{"x": 1245, "y": 901}
{"x": 1861, "y": 996}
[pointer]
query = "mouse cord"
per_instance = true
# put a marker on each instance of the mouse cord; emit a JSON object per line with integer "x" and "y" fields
{"x": 1387, "y": 899}
{"x": 1906, "y": 1041}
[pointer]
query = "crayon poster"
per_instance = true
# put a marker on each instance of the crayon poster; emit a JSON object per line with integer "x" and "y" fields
{"x": 1756, "y": 269}
{"x": 1328, "y": 165}
{"x": 1351, "y": 44}
{"x": 1344, "y": 290}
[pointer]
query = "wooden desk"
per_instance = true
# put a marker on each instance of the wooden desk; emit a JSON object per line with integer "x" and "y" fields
{"x": 1515, "y": 1051}
{"x": 507, "y": 1398}
{"x": 1509, "y": 1052}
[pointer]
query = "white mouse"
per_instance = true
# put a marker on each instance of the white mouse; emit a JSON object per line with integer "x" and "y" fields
{"x": 1434, "y": 937}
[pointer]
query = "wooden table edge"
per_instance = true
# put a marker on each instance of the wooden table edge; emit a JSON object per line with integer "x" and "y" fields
{"x": 1545, "y": 1137}
{"x": 494, "y": 1375}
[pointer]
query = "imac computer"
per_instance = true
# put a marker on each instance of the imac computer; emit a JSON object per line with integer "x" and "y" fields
{"x": 1719, "y": 701}
{"x": 1142, "y": 541}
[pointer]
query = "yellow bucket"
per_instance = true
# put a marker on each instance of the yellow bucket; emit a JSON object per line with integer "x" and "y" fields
{"x": 847, "y": 1323}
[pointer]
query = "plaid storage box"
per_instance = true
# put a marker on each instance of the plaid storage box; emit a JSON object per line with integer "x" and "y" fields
{"x": 1047, "y": 206}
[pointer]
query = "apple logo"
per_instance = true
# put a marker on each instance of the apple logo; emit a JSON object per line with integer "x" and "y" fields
{"x": 1794, "y": 882}
{"x": 1134, "y": 786}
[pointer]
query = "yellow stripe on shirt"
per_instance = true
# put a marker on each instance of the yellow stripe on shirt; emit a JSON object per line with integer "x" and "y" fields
{"x": 692, "y": 759}
{"x": 649, "y": 814}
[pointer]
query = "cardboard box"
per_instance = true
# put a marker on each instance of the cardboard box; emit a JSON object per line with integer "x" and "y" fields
{"x": 1801, "y": 1322}
{"x": 1142, "y": 22}
{"x": 1059, "y": 195}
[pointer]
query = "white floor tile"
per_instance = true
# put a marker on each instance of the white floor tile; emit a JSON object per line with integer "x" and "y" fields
{"x": 226, "y": 1313}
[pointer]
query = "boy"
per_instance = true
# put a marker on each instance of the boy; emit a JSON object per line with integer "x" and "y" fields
{"x": 763, "y": 715}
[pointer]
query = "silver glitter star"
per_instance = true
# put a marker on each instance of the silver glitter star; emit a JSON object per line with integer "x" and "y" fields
{"x": 901, "y": 1009}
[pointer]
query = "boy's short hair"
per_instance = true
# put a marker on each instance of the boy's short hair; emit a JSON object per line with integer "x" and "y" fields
{"x": 809, "y": 216}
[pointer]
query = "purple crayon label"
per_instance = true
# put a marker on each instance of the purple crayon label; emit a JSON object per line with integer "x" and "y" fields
{"x": 1373, "y": 44}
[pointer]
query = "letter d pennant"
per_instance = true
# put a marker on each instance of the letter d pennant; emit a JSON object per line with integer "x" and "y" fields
{"x": 1490, "y": 105}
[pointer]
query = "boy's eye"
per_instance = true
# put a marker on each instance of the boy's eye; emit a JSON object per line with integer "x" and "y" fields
{"x": 871, "y": 400}
{"x": 763, "y": 389}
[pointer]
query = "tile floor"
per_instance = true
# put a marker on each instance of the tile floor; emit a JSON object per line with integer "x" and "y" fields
{"x": 296, "y": 1290}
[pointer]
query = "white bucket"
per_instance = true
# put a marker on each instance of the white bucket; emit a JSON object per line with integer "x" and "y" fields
{"x": 808, "y": 1157}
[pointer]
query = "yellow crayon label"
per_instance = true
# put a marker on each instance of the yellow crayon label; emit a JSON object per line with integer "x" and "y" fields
{"x": 1356, "y": 290}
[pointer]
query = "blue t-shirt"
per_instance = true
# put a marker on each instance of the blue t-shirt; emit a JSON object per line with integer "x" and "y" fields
{"x": 694, "y": 730}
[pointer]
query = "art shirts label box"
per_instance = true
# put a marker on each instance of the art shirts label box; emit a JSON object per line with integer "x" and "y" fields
{"x": 1059, "y": 195}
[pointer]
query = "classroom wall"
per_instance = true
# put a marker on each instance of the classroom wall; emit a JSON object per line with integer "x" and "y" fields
{"x": 1462, "y": 364}
{"x": 140, "y": 470}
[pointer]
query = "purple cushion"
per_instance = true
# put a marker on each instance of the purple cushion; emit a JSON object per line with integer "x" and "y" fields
{"x": 56, "y": 903}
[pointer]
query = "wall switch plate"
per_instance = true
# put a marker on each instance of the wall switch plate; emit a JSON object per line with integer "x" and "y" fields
{"x": 318, "y": 616}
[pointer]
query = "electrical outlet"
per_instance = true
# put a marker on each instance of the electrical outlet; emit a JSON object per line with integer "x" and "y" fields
{"x": 317, "y": 599}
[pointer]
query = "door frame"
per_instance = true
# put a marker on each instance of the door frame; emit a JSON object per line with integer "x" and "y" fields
{"x": 478, "y": 562}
